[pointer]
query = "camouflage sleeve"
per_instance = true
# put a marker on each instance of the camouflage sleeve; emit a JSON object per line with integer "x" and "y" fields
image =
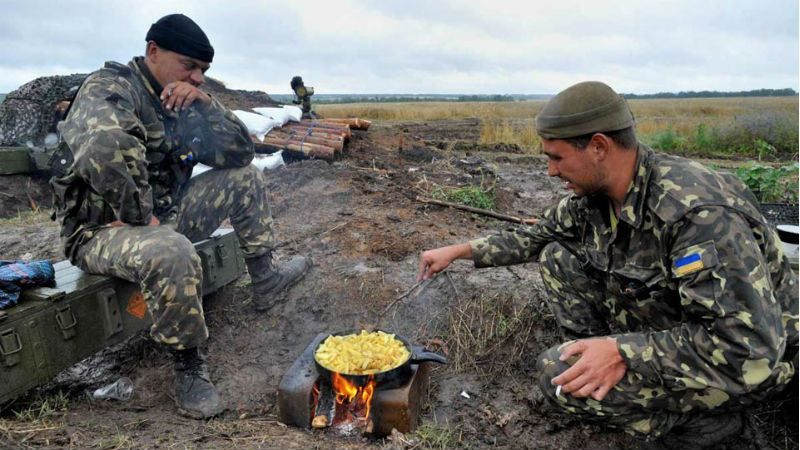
{"x": 733, "y": 336}
{"x": 217, "y": 136}
{"x": 105, "y": 136}
{"x": 515, "y": 246}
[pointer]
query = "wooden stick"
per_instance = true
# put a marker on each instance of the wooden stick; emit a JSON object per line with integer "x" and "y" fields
{"x": 402, "y": 296}
{"x": 316, "y": 150}
{"x": 314, "y": 131}
{"x": 323, "y": 126}
{"x": 336, "y": 144}
{"x": 354, "y": 122}
{"x": 295, "y": 151}
{"x": 481, "y": 211}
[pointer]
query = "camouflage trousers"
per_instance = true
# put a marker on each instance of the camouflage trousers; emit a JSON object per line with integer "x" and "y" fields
{"x": 162, "y": 260}
{"x": 637, "y": 404}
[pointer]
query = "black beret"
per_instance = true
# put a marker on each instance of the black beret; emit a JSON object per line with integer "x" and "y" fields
{"x": 584, "y": 108}
{"x": 180, "y": 34}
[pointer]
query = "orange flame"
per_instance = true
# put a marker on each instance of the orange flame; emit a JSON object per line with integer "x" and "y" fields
{"x": 348, "y": 392}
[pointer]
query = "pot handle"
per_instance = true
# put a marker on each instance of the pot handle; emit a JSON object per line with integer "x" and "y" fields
{"x": 419, "y": 354}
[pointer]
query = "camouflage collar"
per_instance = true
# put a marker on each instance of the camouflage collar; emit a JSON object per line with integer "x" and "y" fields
{"x": 150, "y": 83}
{"x": 631, "y": 212}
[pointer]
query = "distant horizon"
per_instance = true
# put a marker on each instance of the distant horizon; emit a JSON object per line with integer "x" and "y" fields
{"x": 531, "y": 96}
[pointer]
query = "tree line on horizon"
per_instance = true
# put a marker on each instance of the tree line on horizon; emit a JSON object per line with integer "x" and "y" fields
{"x": 403, "y": 98}
{"x": 407, "y": 98}
{"x": 787, "y": 92}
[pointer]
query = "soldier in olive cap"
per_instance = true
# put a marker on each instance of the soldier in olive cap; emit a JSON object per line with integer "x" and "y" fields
{"x": 680, "y": 306}
{"x": 130, "y": 209}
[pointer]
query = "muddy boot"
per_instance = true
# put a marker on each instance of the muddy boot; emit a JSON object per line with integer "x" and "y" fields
{"x": 697, "y": 431}
{"x": 195, "y": 394}
{"x": 270, "y": 283}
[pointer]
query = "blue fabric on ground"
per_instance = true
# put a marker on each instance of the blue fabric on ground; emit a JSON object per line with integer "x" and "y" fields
{"x": 16, "y": 275}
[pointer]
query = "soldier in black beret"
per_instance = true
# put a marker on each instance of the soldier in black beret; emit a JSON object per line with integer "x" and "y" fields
{"x": 678, "y": 302}
{"x": 130, "y": 207}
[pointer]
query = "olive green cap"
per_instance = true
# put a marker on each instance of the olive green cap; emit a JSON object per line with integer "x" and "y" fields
{"x": 584, "y": 108}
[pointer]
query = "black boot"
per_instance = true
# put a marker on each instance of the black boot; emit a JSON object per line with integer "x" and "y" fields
{"x": 195, "y": 394}
{"x": 698, "y": 431}
{"x": 270, "y": 283}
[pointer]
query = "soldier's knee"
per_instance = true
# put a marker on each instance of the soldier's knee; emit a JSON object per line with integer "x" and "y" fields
{"x": 549, "y": 367}
{"x": 555, "y": 260}
{"x": 248, "y": 174}
{"x": 548, "y": 253}
{"x": 172, "y": 251}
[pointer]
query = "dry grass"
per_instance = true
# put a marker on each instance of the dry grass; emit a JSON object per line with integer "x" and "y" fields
{"x": 508, "y": 131}
{"x": 488, "y": 333}
{"x": 433, "y": 110}
{"x": 699, "y": 126}
{"x": 36, "y": 424}
{"x": 27, "y": 218}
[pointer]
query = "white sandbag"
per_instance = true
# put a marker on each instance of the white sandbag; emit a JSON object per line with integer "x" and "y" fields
{"x": 295, "y": 113}
{"x": 257, "y": 125}
{"x": 263, "y": 162}
{"x": 269, "y": 162}
{"x": 280, "y": 115}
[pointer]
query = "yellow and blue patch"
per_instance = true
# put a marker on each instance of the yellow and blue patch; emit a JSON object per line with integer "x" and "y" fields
{"x": 688, "y": 264}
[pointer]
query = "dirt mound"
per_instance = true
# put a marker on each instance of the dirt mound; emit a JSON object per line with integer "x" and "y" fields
{"x": 236, "y": 98}
{"x": 28, "y": 113}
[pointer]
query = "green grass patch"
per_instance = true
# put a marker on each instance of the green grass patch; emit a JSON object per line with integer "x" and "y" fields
{"x": 474, "y": 196}
{"x": 771, "y": 184}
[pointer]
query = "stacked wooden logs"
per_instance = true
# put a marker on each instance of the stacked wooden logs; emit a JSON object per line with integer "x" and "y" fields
{"x": 322, "y": 139}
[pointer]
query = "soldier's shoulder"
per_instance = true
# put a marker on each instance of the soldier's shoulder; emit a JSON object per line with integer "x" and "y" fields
{"x": 111, "y": 72}
{"x": 679, "y": 185}
{"x": 112, "y": 78}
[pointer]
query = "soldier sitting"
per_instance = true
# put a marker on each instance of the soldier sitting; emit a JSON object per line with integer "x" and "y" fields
{"x": 130, "y": 208}
{"x": 681, "y": 306}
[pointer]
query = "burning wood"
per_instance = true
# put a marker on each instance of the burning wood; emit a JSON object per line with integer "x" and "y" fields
{"x": 349, "y": 404}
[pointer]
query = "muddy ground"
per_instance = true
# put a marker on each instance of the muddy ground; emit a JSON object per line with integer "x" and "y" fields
{"x": 359, "y": 220}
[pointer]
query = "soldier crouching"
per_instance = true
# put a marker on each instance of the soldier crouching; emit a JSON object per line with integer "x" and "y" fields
{"x": 679, "y": 302}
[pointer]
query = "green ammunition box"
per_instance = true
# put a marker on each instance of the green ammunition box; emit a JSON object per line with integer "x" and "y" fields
{"x": 53, "y": 328}
{"x": 15, "y": 160}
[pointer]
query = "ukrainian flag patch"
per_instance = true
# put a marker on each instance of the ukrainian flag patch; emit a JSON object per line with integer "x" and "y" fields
{"x": 688, "y": 264}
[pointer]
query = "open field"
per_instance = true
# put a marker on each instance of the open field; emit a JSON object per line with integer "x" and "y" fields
{"x": 764, "y": 128}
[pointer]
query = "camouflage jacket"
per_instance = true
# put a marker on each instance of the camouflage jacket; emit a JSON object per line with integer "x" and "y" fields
{"x": 132, "y": 156}
{"x": 695, "y": 278}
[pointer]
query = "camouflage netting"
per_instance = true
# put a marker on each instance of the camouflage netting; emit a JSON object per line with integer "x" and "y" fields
{"x": 28, "y": 113}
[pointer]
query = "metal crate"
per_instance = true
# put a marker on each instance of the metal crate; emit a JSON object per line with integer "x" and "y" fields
{"x": 780, "y": 213}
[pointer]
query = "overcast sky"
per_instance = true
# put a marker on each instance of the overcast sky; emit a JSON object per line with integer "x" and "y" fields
{"x": 427, "y": 46}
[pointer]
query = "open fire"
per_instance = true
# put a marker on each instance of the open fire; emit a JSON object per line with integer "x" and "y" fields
{"x": 350, "y": 409}
{"x": 350, "y": 405}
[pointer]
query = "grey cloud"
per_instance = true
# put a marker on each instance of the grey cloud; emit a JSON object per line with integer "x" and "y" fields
{"x": 650, "y": 46}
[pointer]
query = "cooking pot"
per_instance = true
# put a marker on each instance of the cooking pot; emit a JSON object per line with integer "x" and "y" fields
{"x": 789, "y": 234}
{"x": 387, "y": 379}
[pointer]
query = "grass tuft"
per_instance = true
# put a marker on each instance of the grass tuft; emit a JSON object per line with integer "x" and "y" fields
{"x": 474, "y": 196}
{"x": 489, "y": 334}
{"x": 436, "y": 437}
